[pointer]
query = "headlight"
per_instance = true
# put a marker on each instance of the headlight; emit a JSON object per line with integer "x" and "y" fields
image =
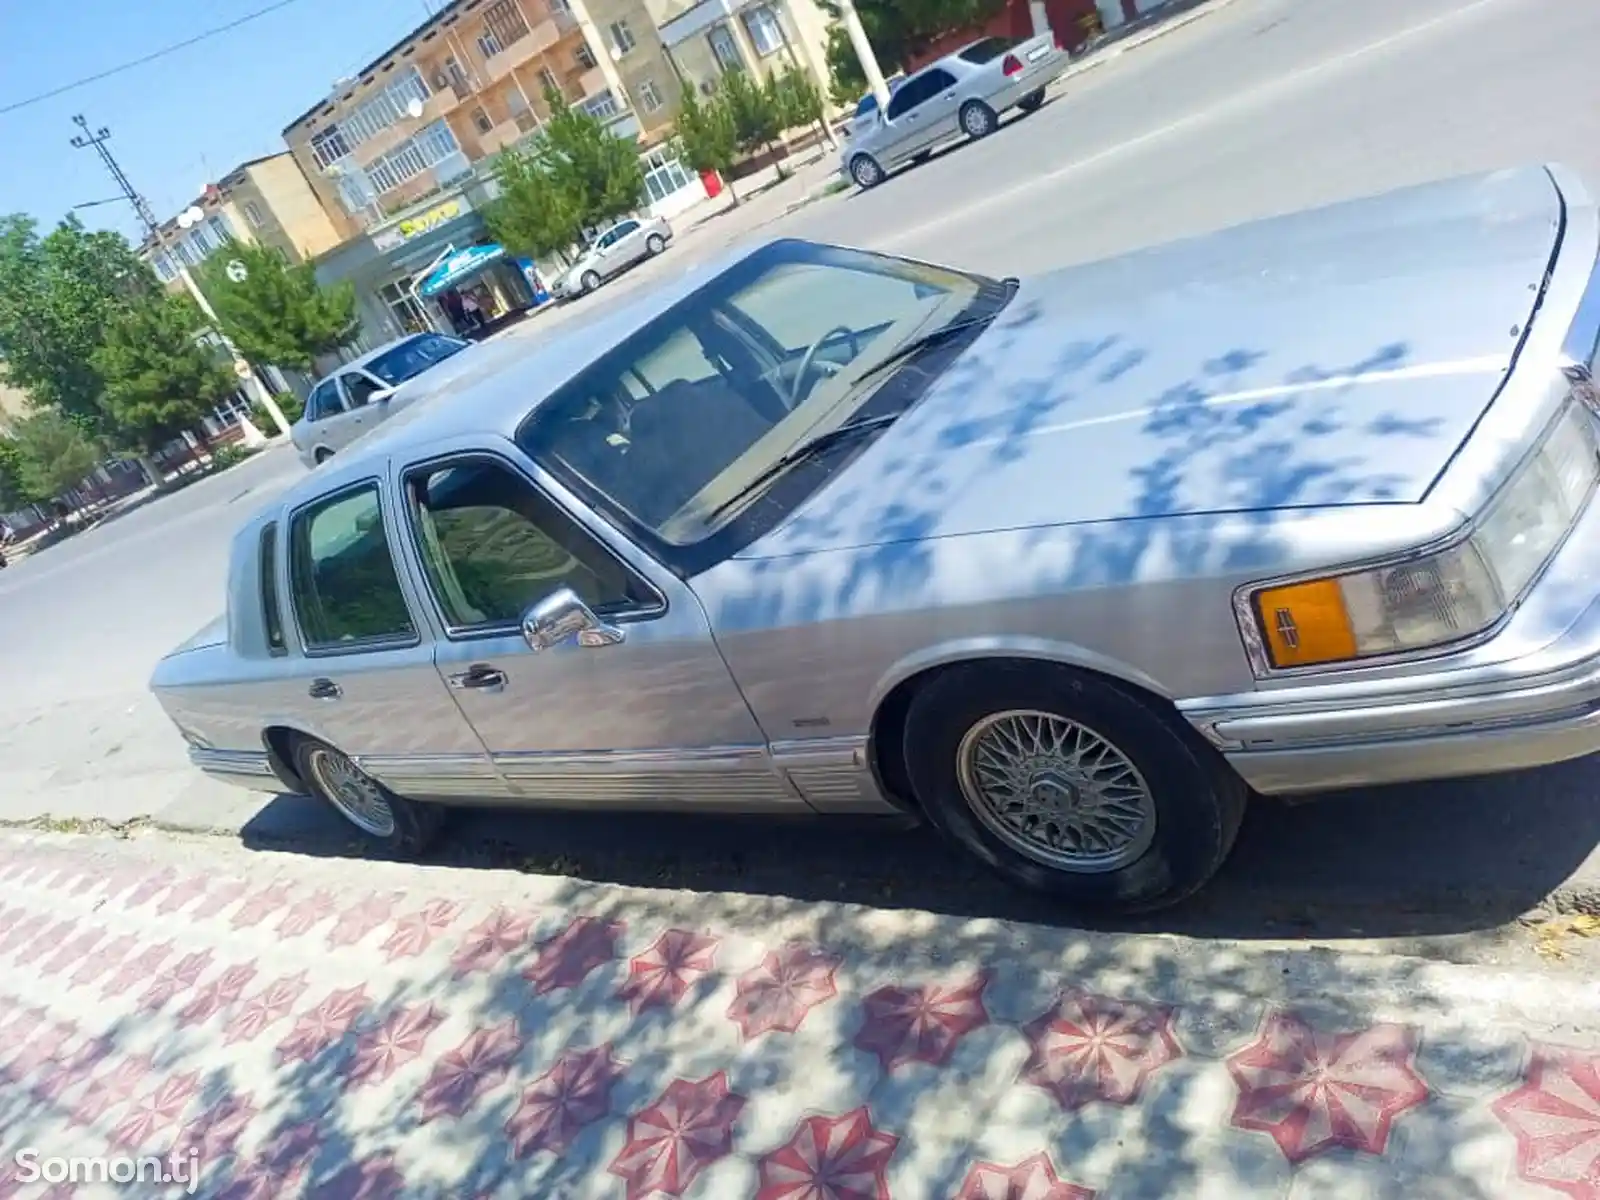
{"x": 1448, "y": 595}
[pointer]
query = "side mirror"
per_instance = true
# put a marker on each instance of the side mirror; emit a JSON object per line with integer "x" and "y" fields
{"x": 381, "y": 396}
{"x": 562, "y": 617}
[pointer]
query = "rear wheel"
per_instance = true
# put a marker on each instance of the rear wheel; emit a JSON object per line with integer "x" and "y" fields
{"x": 591, "y": 280}
{"x": 655, "y": 243}
{"x": 1032, "y": 102}
{"x": 864, "y": 169}
{"x": 978, "y": 119}
{"x": 401, "y": 826}
{"x": 322, "y": 455}
{"x": 1064, "y": 783}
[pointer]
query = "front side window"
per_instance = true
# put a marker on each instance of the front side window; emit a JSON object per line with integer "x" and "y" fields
{"x": 677, "y": 422}
{"x": 414, "y": 356}
{"x": 911, "y": 94}
{"x": 342, "y": 576}
{"x": 271, "y": 615}
{"x": 493, "y": 546}
{"x": 359, "y": 389}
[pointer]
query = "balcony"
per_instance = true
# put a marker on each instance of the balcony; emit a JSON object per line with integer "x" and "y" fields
{"x": 507, "y": 133}
{"x": 540, "y": 38}
{"x": 699, "y": 18}
{"x": 592, "y": 82}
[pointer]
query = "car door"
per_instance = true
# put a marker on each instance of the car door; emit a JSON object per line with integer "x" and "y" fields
{"x": 629, "y": 247}
{"x": 363, "y": 677}
{"x": 325, "y": 414}
{"x": 920, "y": 113}
{"x": 356, "y": 389}
{"x": 638, "y": 710}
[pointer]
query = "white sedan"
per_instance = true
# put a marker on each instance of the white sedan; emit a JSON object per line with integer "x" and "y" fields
{"x": 614, "y": 251}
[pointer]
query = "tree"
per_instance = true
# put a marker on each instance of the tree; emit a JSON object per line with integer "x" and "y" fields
{"x": 159, "y": 378}
{"x": 798, "y": 99}
{"x": 278, "y": 313}
{"x": 706, "y": 139}
{"x": 56, "y": 295}
{"x": 898, "y": 30}
{"x": 12, "y": 493}
{"x": 534, "y": 216}
{"x": 756, "y": 119}
{"x": 53, "y": 455}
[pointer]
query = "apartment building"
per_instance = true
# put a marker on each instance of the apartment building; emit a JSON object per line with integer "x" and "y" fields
{"x": 707, "y": 38}
{"x": 401, "y": 154}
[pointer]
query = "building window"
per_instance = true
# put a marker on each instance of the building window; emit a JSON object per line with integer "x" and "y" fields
{"x": 504, "y": 24}
{"x": 253, "y": 214}
{"x": 601, "y": 105}
{"x": 766, "y": 35}
{"x": 328, "y": 146}
{"x": 164, "y": 268}
{"x": 561, "y": 6}
{"x": 481, "y": 120}
{"x": 388, "y": 107}
{"x": 585, "y": 57}
{"x": 426, "y": 148}
{"x": 547, "y": 81}
{"x": 622, "y": 37}
{"x": 453, "y": 77}
{"x": 221, "y": 229}
{"x": 649, "y": 95}
{"x": 489, "y": 45}
{"x": 663, "y": 174}
{"x": 724, "y": 49}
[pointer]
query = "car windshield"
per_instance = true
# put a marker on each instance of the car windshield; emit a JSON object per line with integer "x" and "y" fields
{"x": 414, "y": 356}
{"x": 686, "y": 413}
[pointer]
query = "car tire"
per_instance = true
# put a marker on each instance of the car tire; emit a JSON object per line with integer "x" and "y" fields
{"x": 1176, "y": 805}
{"x": 655, "y": 244}
{"x": 591, "y": 280}
{"x": 866, "y": 171}
{"x": 1032, "y": 102}
{"x": 978, "y": 120}
{"x": 321, "y": 455}
{"x": 405, "y": 828}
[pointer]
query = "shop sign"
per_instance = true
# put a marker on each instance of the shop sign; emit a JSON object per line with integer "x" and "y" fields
{"x": 412, "y": 227}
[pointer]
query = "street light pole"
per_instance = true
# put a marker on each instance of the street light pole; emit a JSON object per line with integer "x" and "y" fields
{"x": 241, "y": 366}
{"x": 864, "y": 51}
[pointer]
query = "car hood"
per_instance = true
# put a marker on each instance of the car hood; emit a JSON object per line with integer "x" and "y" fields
{"x": 1334, "y": 357}
{"x": 215, "y": 633}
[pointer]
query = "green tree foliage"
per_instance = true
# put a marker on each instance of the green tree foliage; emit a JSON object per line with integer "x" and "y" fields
{"x": 797, "y": 98}
{"x": 13, "y": 495}
{"x": 52, "y": 454}
{"x": 706, "y": 139}
{"x": 757, "y": 122}
{"x": 57, "y": 293}
{"x": 278, "y": 313}
{"x": 159, "y": 379}
{"x": 575, "y": 174}
{"x": 897, "y": 29}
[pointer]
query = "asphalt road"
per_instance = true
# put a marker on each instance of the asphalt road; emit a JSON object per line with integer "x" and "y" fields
{"x": 1261, "y": 107}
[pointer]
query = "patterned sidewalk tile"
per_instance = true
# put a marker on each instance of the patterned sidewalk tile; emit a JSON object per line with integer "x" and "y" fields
{"x": 318, "y": 1029}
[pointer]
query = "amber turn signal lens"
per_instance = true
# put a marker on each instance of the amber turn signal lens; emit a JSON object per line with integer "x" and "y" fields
{"x": 1306, "y": 623}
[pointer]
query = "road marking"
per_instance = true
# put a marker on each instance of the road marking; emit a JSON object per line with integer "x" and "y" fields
{"x": 1243, "y": 100}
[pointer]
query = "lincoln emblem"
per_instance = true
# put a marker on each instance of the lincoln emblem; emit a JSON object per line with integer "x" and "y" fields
{"x": 1287, "y": 629}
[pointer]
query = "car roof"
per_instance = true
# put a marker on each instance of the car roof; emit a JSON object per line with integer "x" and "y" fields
{"x": 497, "y": 383}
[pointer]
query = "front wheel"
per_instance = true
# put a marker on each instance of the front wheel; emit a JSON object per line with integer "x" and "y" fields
{"x": 403, "y": 827}
{"x": 1064, "y": 783}
{"x": 864, "y": 169}
{"x": 590, "y": 281}
{"x": 978, "y": 119}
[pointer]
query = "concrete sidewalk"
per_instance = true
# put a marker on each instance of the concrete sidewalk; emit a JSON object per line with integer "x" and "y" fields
{"x": 293, "y": 1029}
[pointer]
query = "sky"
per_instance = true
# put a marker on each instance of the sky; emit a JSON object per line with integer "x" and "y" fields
{"x": 182, "y": 121}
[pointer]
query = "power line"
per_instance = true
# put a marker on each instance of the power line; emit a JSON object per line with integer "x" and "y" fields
{"x": 154, "y": 55}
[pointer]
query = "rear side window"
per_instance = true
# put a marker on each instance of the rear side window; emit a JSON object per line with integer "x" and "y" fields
{"x": 986, "y": 51}
{"x": 271, "y": 614}
{"x": 342, "y": 575}
{"x": 324, "y": 401}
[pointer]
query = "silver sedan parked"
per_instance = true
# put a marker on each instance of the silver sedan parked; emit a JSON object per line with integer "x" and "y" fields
{"x": 614, "y": 251}
{"x": 1068, "y": 566}
{"x": 962, "y": 94}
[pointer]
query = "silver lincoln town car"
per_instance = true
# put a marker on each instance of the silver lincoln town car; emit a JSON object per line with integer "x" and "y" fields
{"x": 1069, "y": 566}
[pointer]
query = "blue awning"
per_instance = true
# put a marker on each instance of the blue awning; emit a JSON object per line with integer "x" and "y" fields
{"x": 459, "y": 267}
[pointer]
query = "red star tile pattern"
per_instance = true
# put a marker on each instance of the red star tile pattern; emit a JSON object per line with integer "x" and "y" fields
{"x": 400, "y": 1039}
{"x": 829, "y": 1158}
{"x": 258, "y": 906}
{"x": 135, "y": 971}
{"x": 46, "y": 942}
{"x": 149, "y": 887}
{"x": 221, "y": 993}
{"x": 1312, "y": 1091}
{"x": 108, "y": 956}
{"x": 213, "y": 1133}
{"x": 661, "y": 976}
{"x": 375, "y": 1179}
{"x": 572, "y": 1095}
{"x": 325, "y": 1026}
{"x": 361, "y": 918}
{"x": 306, "y": 913}
{"x": 1089, "y": 1047}
{"x": 776, "y": 995}
{"x": 472, "y": 1068}
{"x": 183, "y": 892}
{"x": 921, "y": 1024}
{"x": 156, "y": 1113}
{"x": 71, "y": 952}
{"x": 1555, "y": 1118}
{"x": 1034, "y": 1178}
{"x": 673, "y": 1140}
{"x": 415, "y": 933}
{"x": 488, "y": 943}
{"x": 267, "y": 1007}
{"x": 565, "y": 960}
{"x": 175, "y": 980}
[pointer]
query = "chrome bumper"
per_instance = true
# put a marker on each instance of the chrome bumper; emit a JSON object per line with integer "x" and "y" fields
{"x": 250, "y": 769}
{"x": 1527, "y": 697}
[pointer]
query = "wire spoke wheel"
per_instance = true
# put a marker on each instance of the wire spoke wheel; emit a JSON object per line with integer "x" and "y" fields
{"x": 358, "y": 797}
{"x": 1056, "y": 791}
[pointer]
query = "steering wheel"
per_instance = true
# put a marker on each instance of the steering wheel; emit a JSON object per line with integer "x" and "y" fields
{"x": 811, "y": 353}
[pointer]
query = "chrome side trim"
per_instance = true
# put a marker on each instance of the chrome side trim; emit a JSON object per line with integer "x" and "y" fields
{"x": 832, "y": 774}
{"x": 436, "y": 776}
{"x": 727, "y": 778}
{"x": 248, "y": 769}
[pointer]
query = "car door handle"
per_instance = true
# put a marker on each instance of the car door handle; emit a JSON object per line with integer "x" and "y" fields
{"x": 479, "y": 677}
{"x": 324, "y": 689}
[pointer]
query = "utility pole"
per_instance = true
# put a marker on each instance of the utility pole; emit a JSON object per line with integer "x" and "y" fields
{"x": 864, "y": 51}
{"x": 241, "y": 367}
